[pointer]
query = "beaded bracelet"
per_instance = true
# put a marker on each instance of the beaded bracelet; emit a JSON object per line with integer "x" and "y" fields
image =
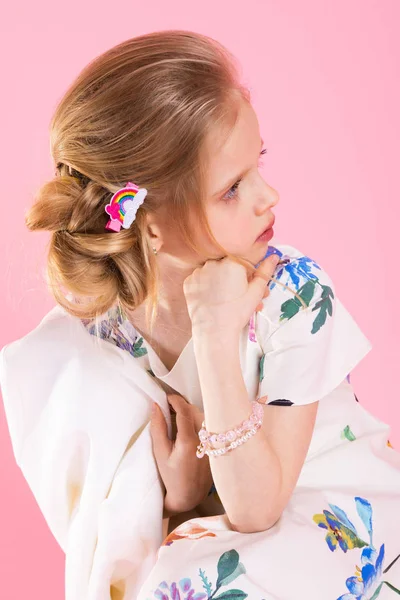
{"x": 236, "y": 437}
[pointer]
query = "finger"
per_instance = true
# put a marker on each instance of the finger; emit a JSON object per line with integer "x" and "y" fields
{"x": 184, "y": 418}
{"x": 198, "y": 417}
{"x": 162, "y": 445}
{"x": 260, "y": 306}
{"x": 263, "y": 399}
{"x": 258, "y": 285}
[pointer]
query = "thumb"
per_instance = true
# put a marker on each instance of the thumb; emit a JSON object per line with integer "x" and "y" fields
{"x": 258, "y": 286}
{"x": 162, "y": 445}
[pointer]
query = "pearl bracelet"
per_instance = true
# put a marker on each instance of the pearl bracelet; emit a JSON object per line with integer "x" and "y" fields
{"x": 235, "y": 436}
{"x": 238, "y": 442}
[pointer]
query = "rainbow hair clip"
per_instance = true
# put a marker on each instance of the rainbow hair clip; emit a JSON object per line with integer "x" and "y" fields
{"x": 124, "y": 205}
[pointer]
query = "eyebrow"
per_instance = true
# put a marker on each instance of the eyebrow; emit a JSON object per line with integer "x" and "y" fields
{"x": 232, "y": 181}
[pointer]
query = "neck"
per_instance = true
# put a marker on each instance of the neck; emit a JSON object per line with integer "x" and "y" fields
{"x": 172, "y": 306}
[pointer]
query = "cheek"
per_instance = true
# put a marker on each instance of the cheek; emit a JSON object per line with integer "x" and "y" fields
{"x": 233, "y": 229}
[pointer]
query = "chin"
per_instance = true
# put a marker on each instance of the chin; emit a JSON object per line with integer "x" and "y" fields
{"x": 255, "y": 255}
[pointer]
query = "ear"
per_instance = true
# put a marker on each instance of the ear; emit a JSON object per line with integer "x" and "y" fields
{"x": 154, "y": 231}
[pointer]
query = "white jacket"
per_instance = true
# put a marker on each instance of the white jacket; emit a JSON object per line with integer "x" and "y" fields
{"x": 78, "y": 443}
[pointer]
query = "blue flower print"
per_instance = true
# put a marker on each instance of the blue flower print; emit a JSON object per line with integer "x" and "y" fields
{"x": 299, "y": 276}
{"x": 367, "y": 579}
{"x": 367, "y": 582}
{"x": 271, "y": 250}
{"x": 340, "y": 530}
{"x": 295, "y": 269}
{"x": 364, "y": 510}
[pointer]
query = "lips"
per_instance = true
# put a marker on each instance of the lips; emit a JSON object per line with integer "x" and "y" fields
{"x": 269, "y": 227}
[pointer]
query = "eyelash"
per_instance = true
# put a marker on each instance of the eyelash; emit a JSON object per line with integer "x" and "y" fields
{"x": 231, "y": 193}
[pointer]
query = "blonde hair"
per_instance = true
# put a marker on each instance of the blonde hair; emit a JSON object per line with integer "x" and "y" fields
{"x": 139, "y": 112}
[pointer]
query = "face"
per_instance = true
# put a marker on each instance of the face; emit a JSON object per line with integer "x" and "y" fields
{"x": 239, "y": 201}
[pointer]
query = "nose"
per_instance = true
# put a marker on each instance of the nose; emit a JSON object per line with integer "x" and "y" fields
{"x": 274, "y": 196}
{"x": 275, "y": 199}
{"x": 269, "y": 199}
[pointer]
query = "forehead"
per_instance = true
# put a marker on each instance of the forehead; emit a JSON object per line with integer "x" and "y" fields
{"x": 230, "y": 149}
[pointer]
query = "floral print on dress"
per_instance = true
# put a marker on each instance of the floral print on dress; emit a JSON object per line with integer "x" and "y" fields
{"x": 229, "y": 568}
{"x": 296, "y": 269}
{"x": 298, "y": 274}
{"x": 187, "y": 530}
{"x": 116, "y": 328}
{"x": 366, "y": 583}
{"x": 347, "y": 434}
{"x": 291, "y": 307}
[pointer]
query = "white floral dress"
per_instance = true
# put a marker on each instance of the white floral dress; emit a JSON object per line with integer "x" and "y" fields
{"x": 339, "y": 536}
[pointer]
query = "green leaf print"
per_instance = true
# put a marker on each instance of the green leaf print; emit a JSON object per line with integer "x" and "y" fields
{"x": 325, "y": 306}
{"x": 206, "y": 583}
{"x": 137, "y": 349}
{"x": 262, "y": 359}
{"x": 348, "y": 434}
{"x": 228, "y": 569}
{"x": 392, "y": 587}
{"x": 377, "y": 592}
{"x": 319, "y": 321}
{"x": 291, "y": 307}
{"x": 227, "y": 564}
{"x": 306, "y": 292}
{"x": 240, "y": 569}
{"x": 391, "y": 564}
{"x": 231, "y": 595}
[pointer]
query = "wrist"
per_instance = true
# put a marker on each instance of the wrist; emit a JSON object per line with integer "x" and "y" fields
{"x": 222, "y": 350}
{"x": 215, "y": 337}
{"x": 212, "y": 328}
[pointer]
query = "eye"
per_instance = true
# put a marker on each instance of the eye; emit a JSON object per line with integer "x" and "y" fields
{"x": 231, "y": 194}
{"x": 260, "y": 162}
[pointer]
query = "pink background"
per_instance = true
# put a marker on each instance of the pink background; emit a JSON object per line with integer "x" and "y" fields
{"x": 325, "y": 83}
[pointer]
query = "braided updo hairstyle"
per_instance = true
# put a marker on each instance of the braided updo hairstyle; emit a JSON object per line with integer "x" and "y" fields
{"x": 139, "y": 112}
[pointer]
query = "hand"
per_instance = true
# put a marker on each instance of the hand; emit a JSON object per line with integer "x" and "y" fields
{"x": 220, "y": 296}
{"x": 187, "y": 479}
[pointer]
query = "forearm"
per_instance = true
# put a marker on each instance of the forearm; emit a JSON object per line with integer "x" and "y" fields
{"x": 248, "y": 479}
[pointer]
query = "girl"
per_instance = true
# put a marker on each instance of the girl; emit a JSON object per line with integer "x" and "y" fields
{"x": 265, "y": 478}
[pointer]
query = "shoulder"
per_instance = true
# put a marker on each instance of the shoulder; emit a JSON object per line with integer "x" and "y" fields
{"x": 299, "y": 284}
{"x": 57, "y": 336}
{"x": 309, "y": 341}
{"x": 57, "y": 355}
{"x": 30, "y": 371}
{"x": 58, "y": 377}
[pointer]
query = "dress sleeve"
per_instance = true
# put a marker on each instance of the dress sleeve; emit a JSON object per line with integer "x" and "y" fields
{"x": 309, "y": 346}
